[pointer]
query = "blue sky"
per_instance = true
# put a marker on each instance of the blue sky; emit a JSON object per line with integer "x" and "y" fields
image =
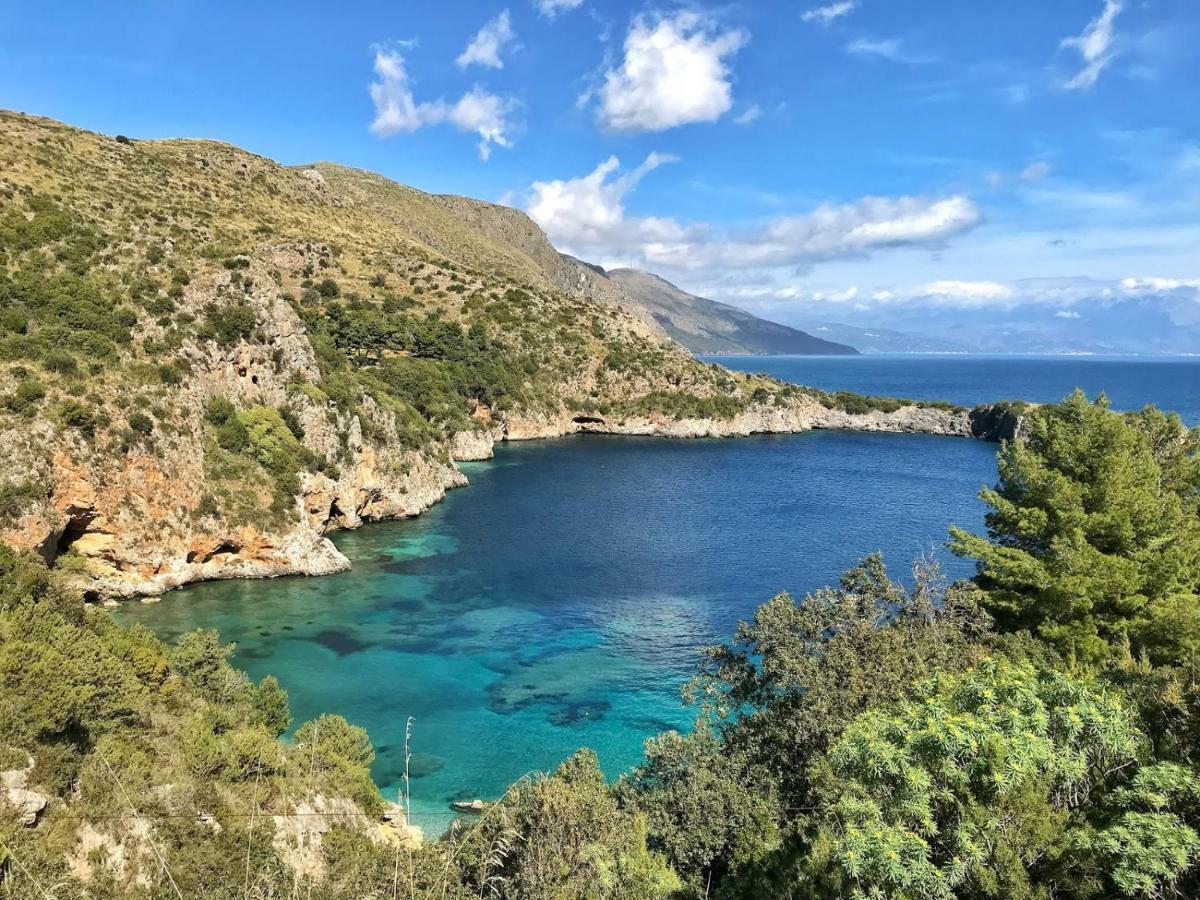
{"x": 799, "y": 159}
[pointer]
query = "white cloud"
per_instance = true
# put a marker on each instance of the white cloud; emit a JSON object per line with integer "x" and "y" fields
{"x": 891, "y": 49}
{"x": 1094, "y": 46}
{"x": 551, "y": 8}
{"x": 489, "y": 42}
{"x": 586, "y": 214}
{"x": 675, "y": 71}
{"x": 751, "y": 113}
{"x": 1035, "y": 171}
{"x": 966, "y": 291}
{"x": 826, "y": 14}
{"x": 484, "y": 114}
{"x": 397, "y": 111}
{"x": 586, "y": 217}
{"x": 1158, "y": 285}
{"x": 1065, "y": 298}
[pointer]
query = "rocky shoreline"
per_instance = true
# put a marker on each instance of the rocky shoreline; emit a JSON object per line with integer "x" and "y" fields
{"x": 307, "y": 550}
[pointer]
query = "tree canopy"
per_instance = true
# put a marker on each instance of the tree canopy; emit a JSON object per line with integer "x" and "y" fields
{"x": 1093, "y": 535}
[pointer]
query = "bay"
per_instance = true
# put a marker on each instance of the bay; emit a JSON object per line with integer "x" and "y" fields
{"x": 562, "y": 599}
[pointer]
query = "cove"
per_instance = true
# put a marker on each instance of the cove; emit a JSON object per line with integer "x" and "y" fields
{"x": 561, "y": 600}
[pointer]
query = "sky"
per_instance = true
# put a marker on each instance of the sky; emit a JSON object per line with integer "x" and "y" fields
{"x": 803, "y": 160}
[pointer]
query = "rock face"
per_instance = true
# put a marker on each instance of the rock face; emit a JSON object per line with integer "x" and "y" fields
{"x": 136, "y": 525}
{"x": 467, "y": 446}
{"x": 803, "y": 415}
{"x": 28, "y": 805}
{"x": 300, "y": 835}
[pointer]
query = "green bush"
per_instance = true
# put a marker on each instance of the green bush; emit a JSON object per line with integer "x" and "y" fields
{"x": 226, "y": 325}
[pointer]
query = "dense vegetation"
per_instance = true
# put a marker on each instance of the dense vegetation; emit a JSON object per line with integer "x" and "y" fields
{"x": 1034, "y": 733}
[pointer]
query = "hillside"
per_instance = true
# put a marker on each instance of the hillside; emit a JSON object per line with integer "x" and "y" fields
{"x": 705, "y": 326}
{"x": 208, "y": 361}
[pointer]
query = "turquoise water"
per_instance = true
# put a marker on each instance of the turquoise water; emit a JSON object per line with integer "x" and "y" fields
{"x": 561, "y": 600}
{"x": 1131, "y": 382}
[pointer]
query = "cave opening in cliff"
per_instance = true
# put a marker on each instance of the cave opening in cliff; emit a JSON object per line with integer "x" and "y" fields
{"x": 75, "y": 528}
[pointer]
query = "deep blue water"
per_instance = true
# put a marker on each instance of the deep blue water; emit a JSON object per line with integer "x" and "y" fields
{"x": 561, "y": 600}
{"x": 1172, "y": 383}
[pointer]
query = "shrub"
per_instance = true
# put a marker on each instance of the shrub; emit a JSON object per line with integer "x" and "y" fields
{"x": 228, "y": 324}
{"x": 60, "y": 363}
{"x": 141, "y": 423}
{"x": 29, "y": 392}
{"x": 18, "y": 497}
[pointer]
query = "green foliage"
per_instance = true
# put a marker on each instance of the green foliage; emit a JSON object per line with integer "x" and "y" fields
{"x": 267, "y": 436}
{"x": 966, "y": 785}
{"x": 709, "y": 812}
{"x": 341, "y": 754}
{"x": 20, "y": 497}
{"x": 798, "y": 673}
{"x": 87, "y": 421}
{"x": 226, "y": 325}
{"x": 28, "y": 394}
{"x": 1149, "y": 839}
{"x": 271, "y": 705}
{"x": 1094, "y": 534}
{"x": 563, "y": 836}
{"x": 681, "y": 405}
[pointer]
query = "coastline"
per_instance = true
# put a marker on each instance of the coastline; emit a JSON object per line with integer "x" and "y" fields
{"x": 371, "y": 493}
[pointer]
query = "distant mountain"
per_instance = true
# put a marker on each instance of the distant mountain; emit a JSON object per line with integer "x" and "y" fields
{"x": 706, "y": 326}
{"x": 881, "y": 340}
{"x": 1163, "y": 323}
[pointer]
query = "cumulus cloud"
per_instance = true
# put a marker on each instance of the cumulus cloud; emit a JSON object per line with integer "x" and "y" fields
{"x": 489, "y": 42}
{"x": 397, "y": 111}
{"x": 586, "y": 217}
{"x": 1065, "y": 296}
{"x": 675, "y": 71}
{"x": 1095, "y": 46}
{"x": 826, "y": 14}
{"x": 551, "y": 8}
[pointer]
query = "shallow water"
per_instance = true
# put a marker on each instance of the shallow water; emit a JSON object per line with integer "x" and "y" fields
{"x": 561, "y": 600}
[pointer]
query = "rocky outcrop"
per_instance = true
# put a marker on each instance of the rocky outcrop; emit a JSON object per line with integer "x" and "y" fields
{"x": 999, "y": 421}
{"x": 26, "y": 804}
{"x": 467, "y": 446}
{"x": 146, "y": 520}
{"x": 803, "y": 415}
{"x": 125, "y": 471}
{"x": 299, "y": 835}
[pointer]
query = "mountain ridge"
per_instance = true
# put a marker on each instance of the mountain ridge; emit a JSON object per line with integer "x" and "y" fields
{"x": 708, "y": 326}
